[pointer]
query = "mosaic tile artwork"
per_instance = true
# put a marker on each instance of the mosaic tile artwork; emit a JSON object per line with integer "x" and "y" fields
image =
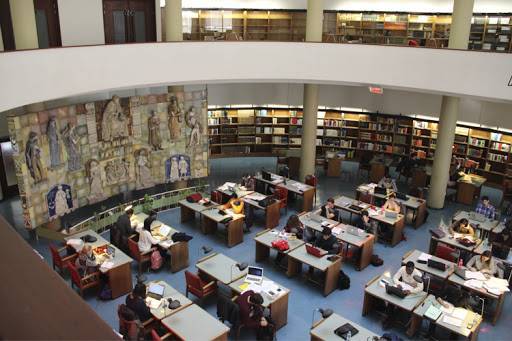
{"x": 81, "y": 154}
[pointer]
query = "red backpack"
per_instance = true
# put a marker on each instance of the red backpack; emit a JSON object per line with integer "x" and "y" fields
{"x": 280, "y": 244}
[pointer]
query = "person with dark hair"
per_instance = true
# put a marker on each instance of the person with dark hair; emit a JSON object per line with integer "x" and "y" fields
{"x": 293, "y": 225}
{"x": 483, "y": 263}
{"x": 391, "y": 204}
{"x": 122, "y": 229}
{"x": 364, "y": 223}
{"x": 146, "y": 239}
{"x": 485, "y": 208}
{"x": 251, "y": 310}
{"x": 136, "y": 302}
{"x": 327, "y": 241}
{"x": 387, "y": 182}
{"x": 328, "y": 211}
{"x": 462, "y": 227}
{"x": 405, "y": 275}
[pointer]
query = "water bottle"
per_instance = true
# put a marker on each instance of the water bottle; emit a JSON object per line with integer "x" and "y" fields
{"x": 460, "y": 263}
{"x": 349, "y": 335}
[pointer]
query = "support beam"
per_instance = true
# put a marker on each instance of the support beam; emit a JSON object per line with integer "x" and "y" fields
{"x": 24, "y": 24}
{"x": 173, "y": 20}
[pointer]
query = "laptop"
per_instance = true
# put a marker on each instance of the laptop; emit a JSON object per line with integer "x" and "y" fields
{"x": 314, "y": 251}
{"x": 401, "y": 196}
{"x": 316, "y": 218}
{"x": 354, "y": 231}
{"x": 436, "y": 264}
{"x": 392, "y": 290}
{"x": 254, "y": 275}
{"x": 356, "y": 208}
{"x": 391, "y": 214}
{"x": 461, "y": 272}
{"x": 477, "y": 216}
{"x": 156, "y": 291}
{"x": 380, "y": 190}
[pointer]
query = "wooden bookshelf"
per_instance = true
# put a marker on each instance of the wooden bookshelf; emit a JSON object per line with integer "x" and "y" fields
{"x": 271, "y": 131}
{"x": 489, "y": 32}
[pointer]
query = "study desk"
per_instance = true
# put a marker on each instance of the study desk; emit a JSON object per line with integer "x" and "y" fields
{"x": 178, "y": 251}
{"x": 468, "y": 187}
{"x": 450, "y": 241}
{"x": 120, "y": 274}
{"x": 472, "y": 320}
{"x": 169, "y": 292}
{"x": 220, "y": 268}
{"x": 194, "y": 323}
{"x": 484, "y": 227}
{"x": 363, "y": 241}
{"x": 396, "y": 224}
{"x": 374, "y": 291}
{"x": 324, "y": 329}
{"x": 264, "y": 241}
{"x": 272, "y": 211}
{"x": 331, "y": 269}
{"x": 413, "y": 255}
{"x": 278, "y": 304}
{"x": 234, "y": 227}
{"x": 307, "y": 192}
{"x": 188, "y": 210}
{"x": 417, "y": 205}
{"x": 228, "y": 189}
{"x": 500, "y": 299}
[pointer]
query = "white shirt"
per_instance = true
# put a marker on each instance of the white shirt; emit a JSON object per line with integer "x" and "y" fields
{"x": 146, "y": 241}
{"x": 408, "y": 279}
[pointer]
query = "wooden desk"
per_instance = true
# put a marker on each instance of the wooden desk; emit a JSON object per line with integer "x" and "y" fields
{"x": 454, "y": 279}
{"x": 331, "y": 269}
{"x": 449, "y": 240}
{"x": 463, "y": 330}
{"x": 211, "y": 219}
{"x": 307, "y": 192}
{"x": 413, "y": 256}
{"x": 220, "y": 268}
{"x": 120, "y": 275}
{"x": 193, "y": 323}
{"x": 278, "y": 305}
{"x": 227, "y": 193}
{"x": 188, "y": 210}
{"x": 169, "y": 292}
{"x": 272, "y": 211}
{"x": 374, "y": 291}
{"x": 333, "y": 167}
{"x": 468, "y": 188}
{"x": 264, "y": 241}
{"x": 178, "y": 251}
{"x": 363, "y": 241}
{"x": 324, "y": 329}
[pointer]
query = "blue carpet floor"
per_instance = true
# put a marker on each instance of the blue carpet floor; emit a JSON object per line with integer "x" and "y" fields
{"x": 304, "y": 296}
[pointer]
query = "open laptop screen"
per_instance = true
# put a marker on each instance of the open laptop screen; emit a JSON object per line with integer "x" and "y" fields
{"x": 255, "y": 271}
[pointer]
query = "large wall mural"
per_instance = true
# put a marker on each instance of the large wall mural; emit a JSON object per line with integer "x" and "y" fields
{"x": 82, "y": 154}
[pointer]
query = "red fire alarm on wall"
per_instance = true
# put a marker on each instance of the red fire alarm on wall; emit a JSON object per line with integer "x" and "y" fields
{"x": 376, "y": 90}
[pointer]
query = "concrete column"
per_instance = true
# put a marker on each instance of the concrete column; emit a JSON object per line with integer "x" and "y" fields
{"x": 459, "y": 37}
{"x": 173, "y": 21}
{"x": 24, "y": 24}
{"x": 314, "y": 26}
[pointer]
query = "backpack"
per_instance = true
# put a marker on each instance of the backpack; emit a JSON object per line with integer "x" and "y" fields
{"x": 195, "y": 197}
{"x": 343, "y": 281}
{"x": 156, "y": 260}
{"x": 280, "y": 244}
{"x": 105, "y": 293}
{"x": 376, "y": 260}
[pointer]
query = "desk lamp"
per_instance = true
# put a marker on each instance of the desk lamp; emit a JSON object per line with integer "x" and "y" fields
{"x": 325, "y": 312}
{"x": 205, "y": 250}
{"x": 240, "y": 266}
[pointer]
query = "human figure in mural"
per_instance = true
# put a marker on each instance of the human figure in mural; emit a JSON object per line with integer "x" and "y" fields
{"x": 96, "y": 189}
{"x": 192, "y": 120}
{"x": 33, "y": 158}
{"x": 155, "y": 140}
{"x": 174, "y": 174}
{"x": 114, "y": 123}
{"x": 52, "y": 132}
{"x": 175, "y": 116}
{"x": 61, "y": 202}
{"x": 71, "y": 142}
{"x": 142, "y": 171}
{"x": 183, "y": 167}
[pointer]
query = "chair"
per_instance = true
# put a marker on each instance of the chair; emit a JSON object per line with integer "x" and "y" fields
{"x": 311, "y": 180}
{"x": 61, "y": 262}
{"x": 364, "y": 164}
{"x": 198, "y": 287}
{"x": 216, "y": 196}
{"x": 447, "y": 253}
{"x": 141, "y": 258}
{"x": 82, "y": 283}
{"x": 507, "y": 192}
{"x": 156, "y": 337}
{"x": 366, "y": 198}
{"x": 282, "y": 195}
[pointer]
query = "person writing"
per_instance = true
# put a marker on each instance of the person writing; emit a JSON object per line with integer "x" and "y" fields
{"x": 328, "y": 211}
{"x": 327, "y": 241}
{"x": 388, "y": 183}
{"x": 462, "y": 227}
{"x": 251, "y": 310}
{"x": 136, "y": 302}
{"x": 146, "y": 239}
{"x": 483, "y": 263}
{"x": 86, "y": 261}
{"x": 486, "y": 209}
{"x": 391, "y": 204}
{"x": 405, "y": 275}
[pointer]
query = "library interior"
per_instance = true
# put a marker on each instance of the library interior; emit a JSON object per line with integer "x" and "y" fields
{"x": 269, "y": 170}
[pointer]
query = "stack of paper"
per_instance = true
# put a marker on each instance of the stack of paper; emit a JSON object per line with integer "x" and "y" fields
{"x": 337, "y": 230}
{"x": 473, "y": 283}
{"x": 164, "y": 230}
{"x": 475, "y": 275}
{"x": 107, "y": 265}
{"x": 424, "y": 257}
{"x": 152, "y": 303}
{"x": 453, "y": 321}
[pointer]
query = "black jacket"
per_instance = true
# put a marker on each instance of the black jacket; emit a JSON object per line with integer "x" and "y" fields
{"x": 139, "y": 307}
{"x": 330, "y": 244}
{"x": 227, "y": 310}
{"x": 364, "y": 226}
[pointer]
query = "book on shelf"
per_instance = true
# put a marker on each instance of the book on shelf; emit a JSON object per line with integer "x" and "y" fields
{"x": 497, "y": 157}
{"x": 476, "y": 142}
{"x": 504, "y": 147}
{"x": 320, "y": 132}
{"x": 279, "y": 130}
{"x": 318, "y": 142}
{"x": 295, "y": 120}
{"x": 295, "y": 140}
{"x": 331, "y": 132}
{"x": 346, "y": 144}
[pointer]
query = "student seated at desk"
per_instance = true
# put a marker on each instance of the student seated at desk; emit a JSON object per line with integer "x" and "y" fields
{"x": 327, "y": 241}
{"x": 146, "y": 239}
{"x": 391, "y": 204}
{"x": 293, "y": 225}
{"x": 462, "y": 227}
{"x": 237, "y": 205}
{"x": 248, "y": 182}
{"x": 483, "y": 263}
{"x": 328, "y": 211}
{"x": 405, "y": 275}
{"x": 251, "y": 312}
{"x": 388, "y": 183}
{"x": 363, "y": 222}
{"x": 86, "y": 261}
{"x": 136, "y": 301}
{"x": 485, "y": 208}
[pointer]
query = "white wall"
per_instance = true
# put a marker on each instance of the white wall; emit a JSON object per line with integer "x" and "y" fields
{"x": 428, "y": 6}
{"x": 81, "y": 22}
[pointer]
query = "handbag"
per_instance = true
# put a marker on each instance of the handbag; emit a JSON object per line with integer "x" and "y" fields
{"x": 195, "y": 197}
{"x": 280, "y": 244}
{"x": 345, "y": 329}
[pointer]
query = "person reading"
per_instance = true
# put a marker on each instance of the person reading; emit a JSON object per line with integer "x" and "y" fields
{"x": 364, "y": 223}
{"x": 485, "y": 208}
{"x": 404, "y": 278}
{"x": 462, "y": 227}
{"x": 136, "y": 302}
{"x": 327, "y": 241}
{"x": 328, "y": 211}
{"x": 483, "y": 263}
{"x": 388, "y": 183}
{"x": 391, "y": 204}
